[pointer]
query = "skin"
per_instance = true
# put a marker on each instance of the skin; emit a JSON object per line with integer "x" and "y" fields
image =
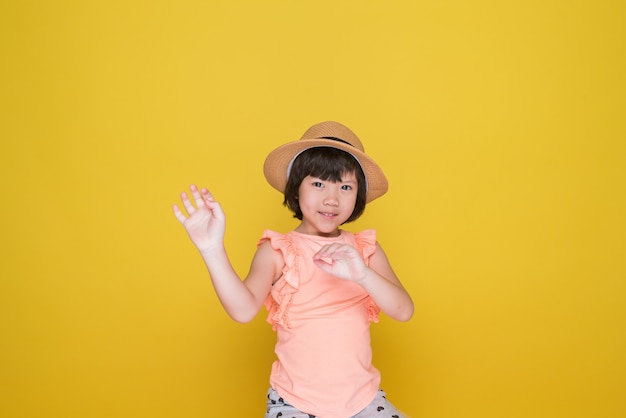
{"x": 325, "y": 206}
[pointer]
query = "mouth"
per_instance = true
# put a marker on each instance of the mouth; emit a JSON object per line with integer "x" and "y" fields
{"x": 328, "y": 214}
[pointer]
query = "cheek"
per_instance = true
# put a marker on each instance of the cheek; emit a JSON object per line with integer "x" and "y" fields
{"x": 304, "y": 201}
{"x": 350, "y": 202}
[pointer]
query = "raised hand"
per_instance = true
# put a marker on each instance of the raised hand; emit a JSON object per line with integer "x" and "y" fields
{"x": 341, "y": 260}
{"x": 205, "y": 222}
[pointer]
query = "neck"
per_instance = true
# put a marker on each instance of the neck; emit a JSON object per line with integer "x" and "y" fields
{"x": 303, "y": 230}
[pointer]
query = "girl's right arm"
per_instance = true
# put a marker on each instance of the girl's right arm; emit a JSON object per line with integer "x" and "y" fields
{"x": 205, "y": 226}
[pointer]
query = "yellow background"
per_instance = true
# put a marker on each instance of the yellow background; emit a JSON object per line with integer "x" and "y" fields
{"x": 499, "y": 124}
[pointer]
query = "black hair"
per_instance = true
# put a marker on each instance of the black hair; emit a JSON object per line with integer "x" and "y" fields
{"x": 325, "y": 163}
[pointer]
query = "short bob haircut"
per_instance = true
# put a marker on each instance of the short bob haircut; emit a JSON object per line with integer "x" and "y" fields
{"x": 325, "y": 163}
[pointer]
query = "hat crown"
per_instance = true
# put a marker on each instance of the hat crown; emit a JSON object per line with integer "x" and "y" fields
{"x": 333, "y": 130}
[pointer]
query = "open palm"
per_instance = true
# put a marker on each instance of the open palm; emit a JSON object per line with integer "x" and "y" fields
{"x": 205, "y": 221}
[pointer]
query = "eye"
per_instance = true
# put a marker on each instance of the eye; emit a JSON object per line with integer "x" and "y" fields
{"x": 346, "y": 187}
{"x": 317, "y": 184}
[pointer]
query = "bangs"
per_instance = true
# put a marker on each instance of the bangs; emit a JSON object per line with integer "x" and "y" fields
{"x": 328, "y": 163}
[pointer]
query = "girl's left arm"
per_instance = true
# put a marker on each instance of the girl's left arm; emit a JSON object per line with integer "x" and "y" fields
{"x": 385, "y": 288}
{"x": 378, "y": 279}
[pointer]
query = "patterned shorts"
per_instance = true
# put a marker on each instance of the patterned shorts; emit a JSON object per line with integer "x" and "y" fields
{"x": 380, "y": 407}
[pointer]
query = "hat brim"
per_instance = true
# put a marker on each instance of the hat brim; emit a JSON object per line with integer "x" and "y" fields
{"x": 277, "y": 164}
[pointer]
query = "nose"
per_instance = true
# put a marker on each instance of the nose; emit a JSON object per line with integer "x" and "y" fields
{"x": 331, "y": 197}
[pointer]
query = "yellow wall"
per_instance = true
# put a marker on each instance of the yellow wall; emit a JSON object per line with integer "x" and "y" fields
{"x": 501, "y": 128}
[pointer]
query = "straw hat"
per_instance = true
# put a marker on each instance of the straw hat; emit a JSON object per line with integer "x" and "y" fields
{"x": 326, "y": 134}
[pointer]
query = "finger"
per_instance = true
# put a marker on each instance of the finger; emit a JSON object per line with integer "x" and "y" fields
{"x": 187, "y": 203}
{"x": 322, "y": 251}
{"x": 337, "y": 251}
{"x": 324, "y": 255}
{"x": 213, "y": 205}
{"x": 197, "y": 196}
{"x": 323, "y": 262}
{"x": 322, "y": 265}
{"x": 179, "y": 215}
{"x": 216, "y": 210}
{"x": 207, "y": 196}
{"x": 327, "y": 250}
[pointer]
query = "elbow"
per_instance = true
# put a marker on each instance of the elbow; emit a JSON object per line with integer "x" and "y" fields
{"x": 406, "y": 313}
{"x": 404, "y": 316}
{"x": 242, "y": 317}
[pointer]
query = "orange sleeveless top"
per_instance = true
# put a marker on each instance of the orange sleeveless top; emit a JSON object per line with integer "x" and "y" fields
{"x": 324, "y": 364}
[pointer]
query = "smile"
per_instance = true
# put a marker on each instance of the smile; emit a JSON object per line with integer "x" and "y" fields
{"x": 327, "y": 215}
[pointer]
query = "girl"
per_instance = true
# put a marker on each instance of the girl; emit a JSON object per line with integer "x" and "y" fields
{"x": 321, "y": 285}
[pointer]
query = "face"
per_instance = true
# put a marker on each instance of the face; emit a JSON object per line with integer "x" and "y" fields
{"x": 325, "y": 204}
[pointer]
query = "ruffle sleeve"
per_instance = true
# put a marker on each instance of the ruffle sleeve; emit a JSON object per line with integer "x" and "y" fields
{"x": 366, "y": 244}
{"x": 278, "y": 301}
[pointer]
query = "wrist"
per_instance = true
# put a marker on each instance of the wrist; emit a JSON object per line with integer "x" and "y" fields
{"x": 364, "y": 278}
{"x": 212, "y": 250}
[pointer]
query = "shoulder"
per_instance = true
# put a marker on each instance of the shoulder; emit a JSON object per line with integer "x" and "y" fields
{"x": 268, "y": 259}
{"x": 274, "y": 246}
{"x": 366, "y": 235}
{"x": 365, "y": 242}
{"x": 276, "y": 239}
{"x": 371, "y": 249}
{"x": 267, "y": 252}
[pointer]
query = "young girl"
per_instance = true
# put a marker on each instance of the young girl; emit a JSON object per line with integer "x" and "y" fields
{"x": 321, "y": 285}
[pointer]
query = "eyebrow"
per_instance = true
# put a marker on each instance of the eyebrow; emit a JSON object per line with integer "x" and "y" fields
{"x": 342, "y": 181}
